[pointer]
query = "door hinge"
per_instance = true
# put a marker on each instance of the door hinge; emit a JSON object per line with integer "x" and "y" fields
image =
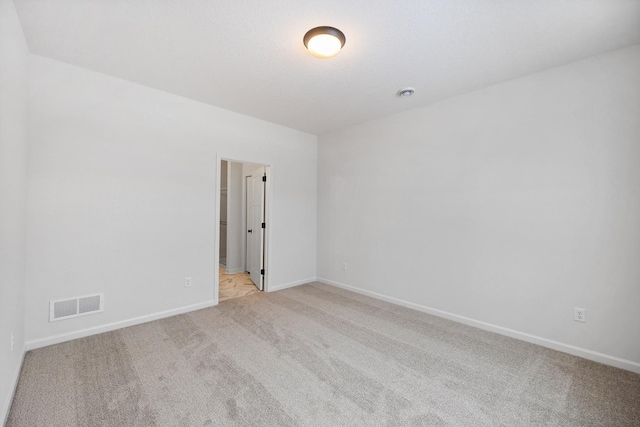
{"x": 262, "y": 271}
{"x": 264, "y": 178}
{"x": 264, "y": 225}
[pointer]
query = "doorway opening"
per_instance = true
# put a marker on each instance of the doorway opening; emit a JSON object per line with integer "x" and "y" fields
{"x": 243, "y": 225}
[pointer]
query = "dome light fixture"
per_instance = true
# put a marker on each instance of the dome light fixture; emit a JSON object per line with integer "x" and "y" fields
{"x": 406, "y": 92}
{"x": 324, "y": 42}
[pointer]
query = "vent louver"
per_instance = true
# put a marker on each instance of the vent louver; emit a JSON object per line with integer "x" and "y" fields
{"x": 74, "y": 307}
{"x": 88, "y": 304}
{"x": 65, "y": 308}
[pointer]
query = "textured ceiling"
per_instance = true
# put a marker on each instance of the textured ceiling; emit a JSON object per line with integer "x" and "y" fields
{"x": 247, "y": 56}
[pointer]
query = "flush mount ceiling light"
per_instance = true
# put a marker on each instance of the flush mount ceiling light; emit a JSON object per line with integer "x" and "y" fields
{"x": 324, "y": 42}
{"x": 406, "y": 92}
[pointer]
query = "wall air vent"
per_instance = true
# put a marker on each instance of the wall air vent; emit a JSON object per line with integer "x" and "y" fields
{"x": 74, "y": 307}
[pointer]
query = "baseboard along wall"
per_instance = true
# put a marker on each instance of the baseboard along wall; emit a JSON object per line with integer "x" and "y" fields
{"x": 14, "y": 385}
{"x": 56, "y": 339}
{"x": 555, "y": 345}
{"x": 606, "y": 359}
{"x": 291, "y": 284}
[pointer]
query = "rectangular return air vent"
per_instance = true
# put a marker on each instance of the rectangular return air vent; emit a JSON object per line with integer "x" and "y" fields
{"x": 74, "y": 307}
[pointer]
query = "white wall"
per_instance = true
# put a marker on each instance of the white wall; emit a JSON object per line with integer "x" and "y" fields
{"x": 509, "y": 205}
{"x": 122, "y": 196}
{"x": 14, "y": 67}
{"x": 235, "y": 230}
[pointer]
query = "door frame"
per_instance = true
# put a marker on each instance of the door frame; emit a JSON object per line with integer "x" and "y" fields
{"x": 267, "y": 219}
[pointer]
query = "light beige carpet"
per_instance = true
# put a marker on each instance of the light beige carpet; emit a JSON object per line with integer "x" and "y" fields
{"x": 315, "y": 355}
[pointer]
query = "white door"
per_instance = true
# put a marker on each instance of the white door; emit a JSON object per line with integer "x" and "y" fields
{"x": 249, "y": 223}
{"x": 255, "y": 231}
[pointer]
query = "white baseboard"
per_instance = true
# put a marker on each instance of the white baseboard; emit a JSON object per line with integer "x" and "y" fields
{"x": 555, "y": 345}
{"x": 56, "y": 339}
{"x": 291, "y": 284}
{"x": 234, "y": 270}
{"x": 14, "y": 385}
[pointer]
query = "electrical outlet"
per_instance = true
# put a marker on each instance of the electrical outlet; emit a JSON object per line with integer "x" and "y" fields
{"x": 187, "y": 282}
{"x": 344, "y": 266}
{"x": 579, "y": 314}
{"x": 13, "y": 341}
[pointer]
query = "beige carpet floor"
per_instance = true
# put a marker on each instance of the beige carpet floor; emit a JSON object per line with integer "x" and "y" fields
{"x": 315, "y": 355}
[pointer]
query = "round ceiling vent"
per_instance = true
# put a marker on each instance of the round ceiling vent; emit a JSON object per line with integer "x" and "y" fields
{"x": 407, "y": 91}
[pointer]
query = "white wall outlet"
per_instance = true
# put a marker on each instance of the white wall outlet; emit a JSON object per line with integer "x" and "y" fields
{"x": 579, "y": 314}
{"x": 13, "y": 341}
{"x": 344, "y": 266}
{"x": 187, "y": 282}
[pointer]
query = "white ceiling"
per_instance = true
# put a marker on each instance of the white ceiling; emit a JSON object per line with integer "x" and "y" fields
{"x": 247, "y": 55}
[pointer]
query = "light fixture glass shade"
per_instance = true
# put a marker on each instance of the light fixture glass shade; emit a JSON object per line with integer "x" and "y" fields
{"x": 324, "y": 46}
{"x": 324, "y": 42}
